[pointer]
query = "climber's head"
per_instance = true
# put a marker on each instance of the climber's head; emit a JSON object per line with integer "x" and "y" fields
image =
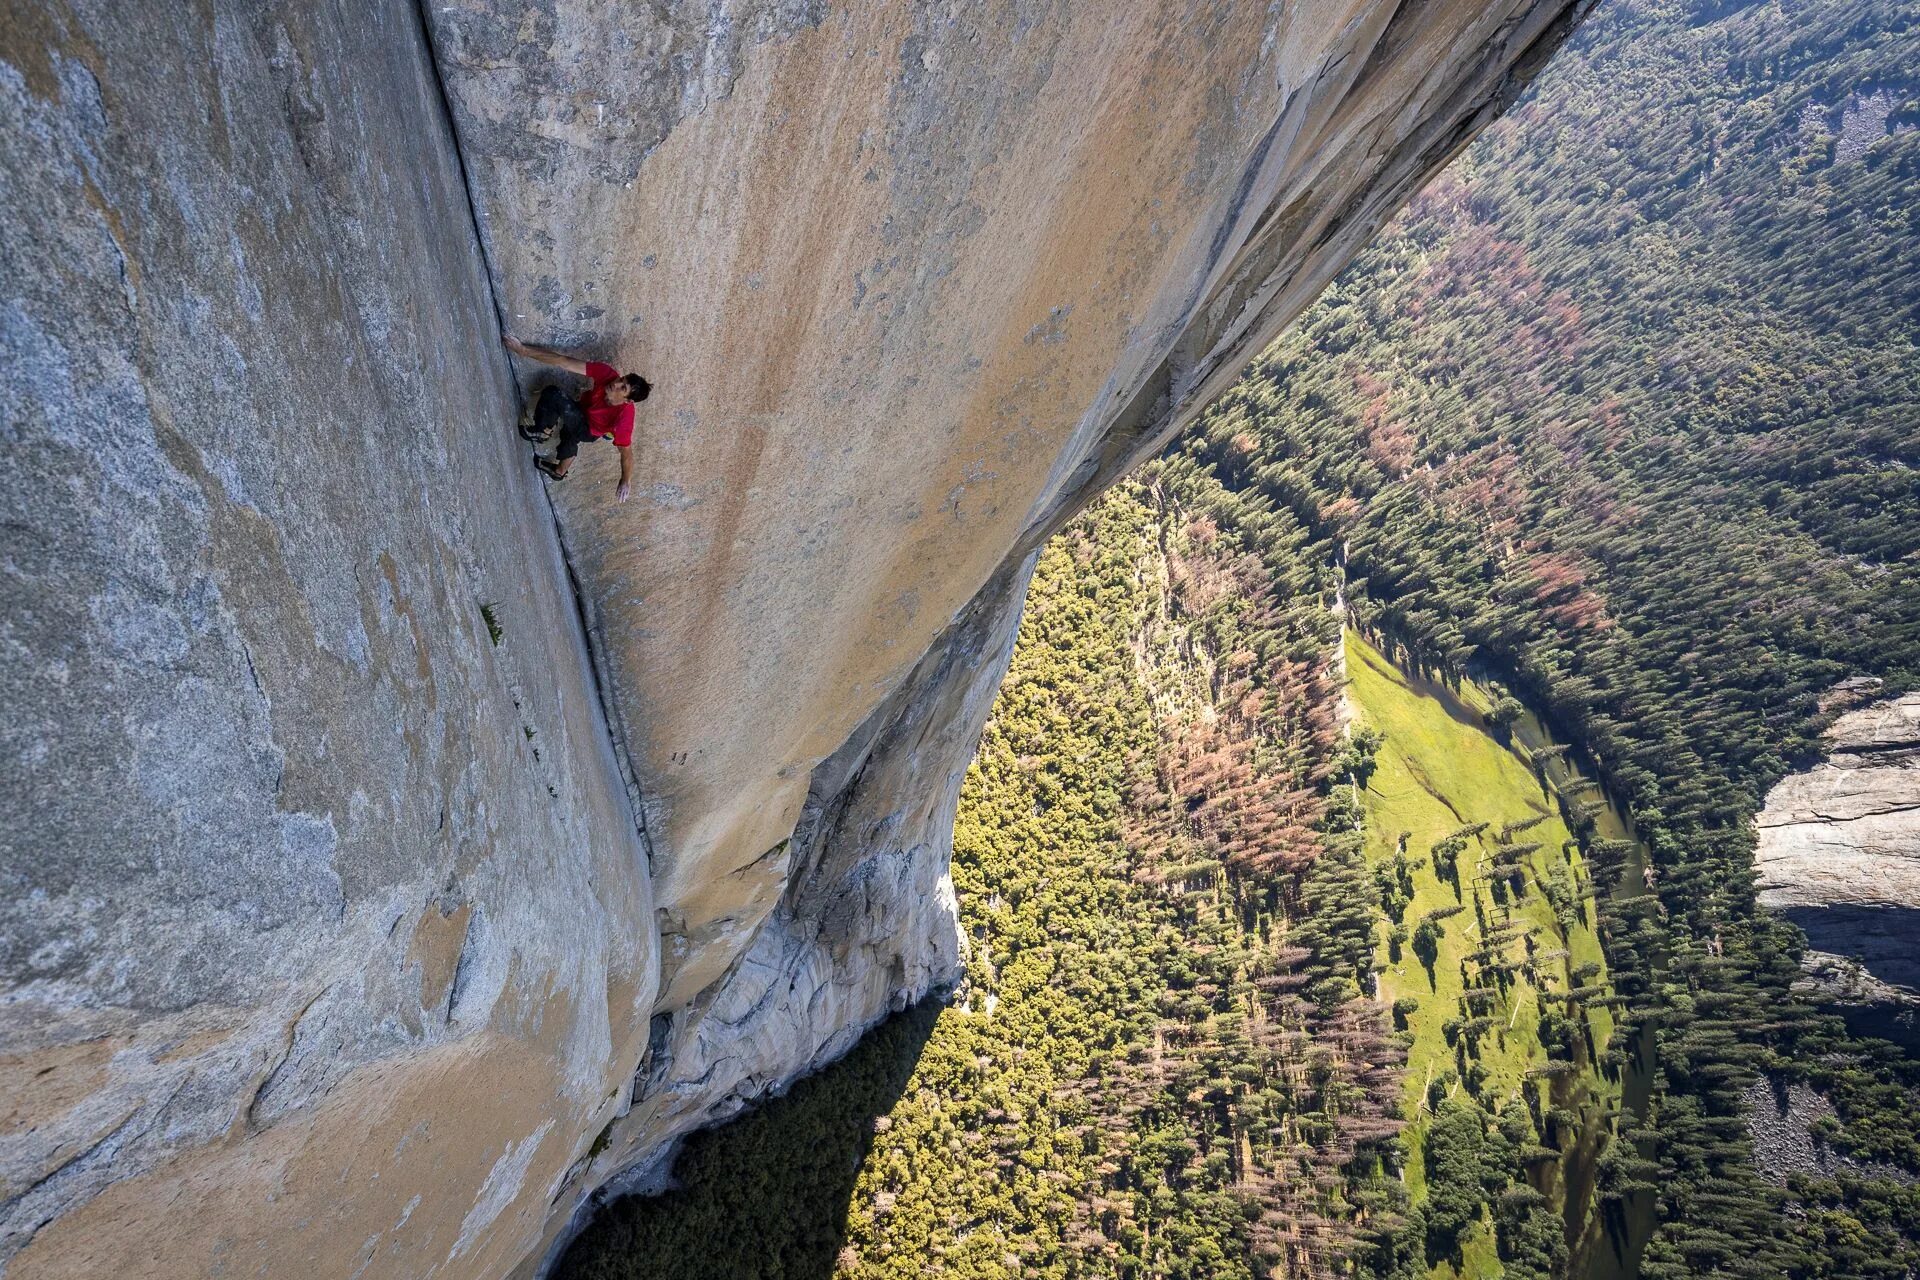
{"x": 628, "y": 387}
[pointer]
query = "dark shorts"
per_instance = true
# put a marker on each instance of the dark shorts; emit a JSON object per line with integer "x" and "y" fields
{"x": 556, "y": 410}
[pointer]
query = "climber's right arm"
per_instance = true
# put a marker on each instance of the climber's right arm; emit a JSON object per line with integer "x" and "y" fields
{"x": 543, "y": 355}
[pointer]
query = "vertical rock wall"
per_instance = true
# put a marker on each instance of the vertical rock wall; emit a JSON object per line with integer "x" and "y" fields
{"x": 322, "y": 916}
{"x": 330, "y": 943}
{"x": 913, "y": 281}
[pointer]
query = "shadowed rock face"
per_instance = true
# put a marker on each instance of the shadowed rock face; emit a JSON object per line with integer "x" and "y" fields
{"x": 334, "y": 941}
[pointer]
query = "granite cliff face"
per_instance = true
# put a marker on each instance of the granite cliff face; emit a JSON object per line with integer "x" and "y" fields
{"x": 322, "y": 931}
{"x": 343, "y": 936}
{"x": 1839, "y": 855}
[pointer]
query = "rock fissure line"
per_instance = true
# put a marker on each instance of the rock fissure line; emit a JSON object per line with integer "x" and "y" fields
{"x": 452, "y": 125}
{"x": 1824, "y": 818}
{"x": 611, "y": 727}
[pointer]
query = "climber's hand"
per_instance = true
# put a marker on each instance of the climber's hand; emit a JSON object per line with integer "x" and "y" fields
{"x": 513, "y": 344}
{"x": 624, "y": 492}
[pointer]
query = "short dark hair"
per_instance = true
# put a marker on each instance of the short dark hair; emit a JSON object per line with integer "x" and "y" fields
{"x": 637, "y": 386}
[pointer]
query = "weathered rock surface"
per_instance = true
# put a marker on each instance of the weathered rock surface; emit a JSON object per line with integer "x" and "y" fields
{"x": 914, "y": 281}
{"x": 1839, "y": 854}
{"x": 333, "y": 941}
{"x": 321, "y": 916}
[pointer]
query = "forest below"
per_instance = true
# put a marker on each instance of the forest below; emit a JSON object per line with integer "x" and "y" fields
{"x": 1619, "y": 424}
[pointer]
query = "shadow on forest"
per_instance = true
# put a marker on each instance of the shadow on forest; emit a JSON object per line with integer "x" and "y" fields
{"x": 765, "y": 1195}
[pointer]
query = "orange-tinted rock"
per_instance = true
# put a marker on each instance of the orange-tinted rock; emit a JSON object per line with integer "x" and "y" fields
{"x": 344, "y": 937}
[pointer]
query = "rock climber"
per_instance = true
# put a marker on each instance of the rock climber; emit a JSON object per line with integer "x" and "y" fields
{"x": 604, "y": 410}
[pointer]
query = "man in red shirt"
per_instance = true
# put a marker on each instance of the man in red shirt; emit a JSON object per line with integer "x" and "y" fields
{"x": 604, "y": 410}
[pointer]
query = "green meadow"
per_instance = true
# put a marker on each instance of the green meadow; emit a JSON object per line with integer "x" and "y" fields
{"x": 1474, "y": 961}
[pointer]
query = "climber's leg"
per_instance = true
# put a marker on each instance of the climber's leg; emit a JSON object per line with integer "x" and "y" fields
{"x": 549, "y": 411}
{"x": 573, "y": 434}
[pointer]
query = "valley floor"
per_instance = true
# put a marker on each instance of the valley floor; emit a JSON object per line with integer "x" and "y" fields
{"x": 1515, "y": 933}
{"x": 1173, "y": 1056}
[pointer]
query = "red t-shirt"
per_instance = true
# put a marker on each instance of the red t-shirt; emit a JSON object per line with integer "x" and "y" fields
{"x": 605, "y": 419}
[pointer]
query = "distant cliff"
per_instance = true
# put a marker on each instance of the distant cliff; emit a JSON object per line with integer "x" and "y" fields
{"x": 388, "y": 868}
{"x": 1839, "y": 855}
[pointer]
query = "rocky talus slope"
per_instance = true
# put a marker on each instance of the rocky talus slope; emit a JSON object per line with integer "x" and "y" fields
{"x": 1839, "y": 854}
{"x": 387, "y": 866}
